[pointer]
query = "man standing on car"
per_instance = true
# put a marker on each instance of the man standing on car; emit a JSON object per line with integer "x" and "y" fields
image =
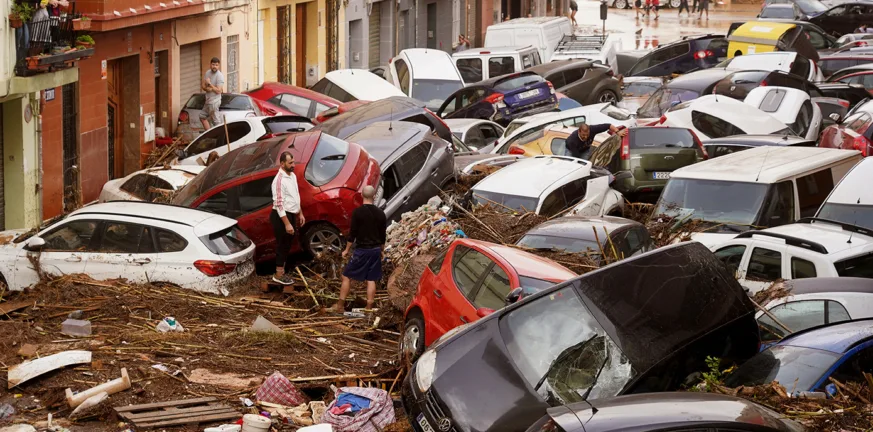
{"x": 286, "y": 215}
{"x": 368, "y": 235}
{"x": 213, "y": 85}
{"x": 579, "y": 143}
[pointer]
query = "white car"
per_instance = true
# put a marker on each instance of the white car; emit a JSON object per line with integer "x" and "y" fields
{"x": 149, "y": 184}
{"x": 239, "y": 133}
{"x": 480, "y": 135}
{"x": 851, "y": 201}
{"x": 714, "y": 116}
{"x": 137, "y": 241}
{"x": 347, "y": 85}
{"x": 790, "y": 106}
{"x": 426, "y": 75}
{"x": 786, "y": 61}
{"x": 549, "y": 186}
{"x": 807, "y": 249}
{"x": 590, "y": 114}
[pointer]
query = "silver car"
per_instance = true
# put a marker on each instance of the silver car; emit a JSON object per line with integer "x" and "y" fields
{"x": 233, "y": 107}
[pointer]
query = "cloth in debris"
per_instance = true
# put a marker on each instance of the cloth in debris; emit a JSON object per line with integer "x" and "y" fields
{"x": 365, "y": 265}
{"x": 342, "y": 409}
{"x": 278, "y": 389}
{"x": 357, "y": 402}
{"x": 375, "y": 417}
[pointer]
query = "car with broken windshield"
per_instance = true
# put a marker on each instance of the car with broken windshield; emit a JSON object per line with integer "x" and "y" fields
{"x": 590, "y": 235}
{"x": 599, "y": 335}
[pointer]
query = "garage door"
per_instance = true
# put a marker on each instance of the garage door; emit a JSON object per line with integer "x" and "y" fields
{"x": 375, "y": 26}
{"x": 190, "y": 76}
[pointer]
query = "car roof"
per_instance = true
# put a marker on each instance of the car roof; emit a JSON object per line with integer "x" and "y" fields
{"x": 462, "y": 124}
{"x": 344, "y": 124}
{"x": 731, "y": 110}
{"x": 698, "y": 80}
{"x": 475, "y": 52}
{"x": 829, "y": 285}
{"x": 763, "y": 61}
{"x": 545, "y": 68}
{"x": 853, "y": 188}
{"x": 758, "y": 140}
{"x": 532, "y": 176}
{"x": 580, "y": 227}
{"x": 764, "y": 164}
{"x": 527, "y": 22}
{"x": 437, "y": 64}
{"x": 203, "y": 222}
{"x": 277, "y": 87}
{"x": 383, "y": 138}
{"x": 837, "y": 338}
{"x": 525, "y": 263}
{"x": 363, "y": 84}
{"x": 829, "y": 235}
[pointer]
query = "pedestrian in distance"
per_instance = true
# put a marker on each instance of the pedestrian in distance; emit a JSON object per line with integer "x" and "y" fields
{"x": 579, "y": 143}
{"x": 704, "y": 6}
{"x": 213, "y": 85}
{"x": 694, "y": 6}
{"x": 286, "y": 216}
{"x": 637, "y": 5}
{"x": 655, "y": 4}
{"x": 684, "y": 4}
{"x": 367, "y": 234}
{"x": 574, "y": 7}
{"x": 463, "y": 43}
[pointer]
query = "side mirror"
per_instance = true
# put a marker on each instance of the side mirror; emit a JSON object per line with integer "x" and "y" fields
{"x": 484, "y": 312}
{"x": 835, "y": 117}
{"x": 514, "y": 296}
{"x": 34, "y": 243}
{"x": 622, "y": 175}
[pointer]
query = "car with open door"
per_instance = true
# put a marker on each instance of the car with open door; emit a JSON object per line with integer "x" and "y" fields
{"x": 480, "y": 135}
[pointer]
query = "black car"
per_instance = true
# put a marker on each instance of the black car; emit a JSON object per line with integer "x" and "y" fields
{"x": 394, "y": 108}
{"x": 844, "y": 18}
{"x": 622, "y": 329}
{"x": 807, "y": 8}
{"x": 723, "y": 146}
{"x": 584, "y": 81}
{"x": 738, "y": 84}
{"x": 832, "y": 63}
{"x": 818, "y": 37}
{"x": 502, "y": 99}
{"x": 685, "y": 55}
{"x": 663, "y": 412}
{"x": 681, "y": 89}
{"x": 576, "y": 234}
{"x": 781, "y": 11}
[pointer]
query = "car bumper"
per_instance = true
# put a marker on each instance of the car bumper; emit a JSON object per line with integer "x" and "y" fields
{"x": 423, "y": 409}
{"x": 508, "y": 114}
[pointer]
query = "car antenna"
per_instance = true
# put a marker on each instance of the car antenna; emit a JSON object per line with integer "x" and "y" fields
{"x": 854, "y": 220}
{"x": 391, "y": 119}
{"x": 762, "y": 165}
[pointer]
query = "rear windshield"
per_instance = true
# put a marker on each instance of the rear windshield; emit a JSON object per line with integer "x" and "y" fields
{"x": 499, "y": 200}
{"x": 518, "y": 81}
{"x": 567, "y": 244}
{"x": 740, "y": 84}
{"x": 229, "y": 102}
{"x": 327, "y": 161}
{"x": 855, "y": 214}
{"x": 794, "y": 367}
{"x": 778, "y": 12}
{"x": 860, "y": 267}
{"x": 663, "y": 99}
{"x": 226, "y": 242}
{"x": 434, "y": 92}
{"x": 661, "y": 138}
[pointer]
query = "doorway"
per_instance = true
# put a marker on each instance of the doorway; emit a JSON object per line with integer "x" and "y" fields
{"x": 70, "y": 125}
{"x": 113, "y": 120}
{"x": 284, "y": 38}
{"x": 356, "y": 44}
{"x": 431, "y": 25}
{"x": 123, "y": 116}
{"x": 300, "y": 46}
{"x": 162, "y": 91}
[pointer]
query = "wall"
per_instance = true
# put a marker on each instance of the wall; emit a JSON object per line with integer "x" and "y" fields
{"x": 21, "y": 163}
{"x": 52, "y": 156}
{"x": 315, "y": 38}
{"x": 357, "y": 10}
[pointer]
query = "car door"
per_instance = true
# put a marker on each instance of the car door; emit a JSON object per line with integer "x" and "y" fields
{"x": 68, "y": 247}
{"x": 764, "y": 266}
{"x": 250, "y": 204}
{"x": 416, "y": 186}
{"x": 170, "y": 257}
{"x": 468, "y": 266}
{"x": 123, "y": 250}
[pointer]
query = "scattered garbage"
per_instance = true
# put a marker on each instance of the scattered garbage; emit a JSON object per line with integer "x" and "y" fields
{"x": 278, "y": 389}
{"x": 176, "y": 413}
{"x": 263, "y": 324}
{"x": 31, "y": 369}
{"x": 6, "y": 411}
{"x": 18, "y": 428}
{"x": 169, "y": 324}
{"x": 28, "y": 350}
{"x": 90, "y": 402}
{"x": 371, "y": 410}
{"x": 256, "y": 423}
{"x": 76, "y": 315}
{"x": 76, "y": 328}
{"x": 419, "y": 231}
{"x": 111, "y": 387}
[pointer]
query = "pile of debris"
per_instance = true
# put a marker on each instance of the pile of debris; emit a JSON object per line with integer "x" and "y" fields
{"x": 426, "y": 229}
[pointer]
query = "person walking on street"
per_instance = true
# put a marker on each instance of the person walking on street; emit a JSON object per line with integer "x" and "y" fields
{"x": 704, "y": 6}
{"x": 286, "y": 216}
{"x": 579, "y": 143}
{"x": 684, "y": 4}
{"x": 574, "y": 7}
{"x": 637, "y": 5}
{"x": 368, "y": 236}
{"x": 694, "y": 6}
{"x": 213, "y": 85}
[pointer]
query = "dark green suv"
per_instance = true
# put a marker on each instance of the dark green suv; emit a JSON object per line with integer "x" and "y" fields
{"x": 643, "y": 159}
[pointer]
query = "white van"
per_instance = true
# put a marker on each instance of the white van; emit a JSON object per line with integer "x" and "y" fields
{"x": 851, "y": 201}
{"x": 544, "y": 33}
{"x": 481, "y": 64}
{"x": 753, "y": 189}
{"x": 427, "y": 75}
{"x": 348, "y": 85}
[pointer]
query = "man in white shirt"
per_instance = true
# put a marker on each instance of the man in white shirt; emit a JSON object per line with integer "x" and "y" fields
{"x": 286, "y": 215}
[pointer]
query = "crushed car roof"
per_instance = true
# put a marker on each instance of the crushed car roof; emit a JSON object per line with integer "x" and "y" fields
{"x": 530, "y": 177}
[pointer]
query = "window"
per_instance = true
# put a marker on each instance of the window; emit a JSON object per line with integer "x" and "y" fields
{"x": 208, "y": 141}
{"x": 322, "y": 86}
{"x": 713, "y": 127}
{"x": 859, "y": 122}
{"x": 797, "y": 316}
{"x": 489, "y": 134}
{"x": 143, "y": 186}
{"x": 804, "y": 119}
{"x": 573, "y": 75}
{"x": 779, "y": 207}
{"x": 660, "y": 56}
{"x": 739, "y": 84}
{"x": 860, "y": 266}
{"x": 339, "y": 94}
{"x": 494, "y": 289}
{"x": 73, "y": 236}
{"x": 281, "y": 124}
{"x": 536, "y": 56}
{"x": 553, "y": 204}
{"x": 801, "y": 268}
{"x": 731, "y": 256}
{"x": 471, "y": 96}
{"x": 498, "y": 66}
{"x": 254, "y": 195}
{"x": 319, "y": 108}
{"x": 557, "y": 79}
{"x": 295, "y": 104}
{"x": 812, "y": 190}
{"x": 169, "y": 241}
{"x": 232, "y": 69}
{"x": 436, "y": 264}
{"x": 327, "y": 160}
{"x": 575, "y": 190}
{"x": 468, "y": 265}
{"x": 800, "y": 67}
{"x": 526, "y": 61}
{"x": 836, "y": 312}
{"x": 772, "y": 100}
{"x": 217, "y": 203}
{"x": 559, "y": 147}
{"x": 226, "y": 242}
{"x": 232, "y": 102}
{"x": 412, "y": 162}
{"x": 764, "y": 265}
{"x": 828, "y": 67}
{"x": 120, "y": 237}
{"x": 402, "y": 75}
{"x": 449, "y": 106}
{"x": 785, "y": 80}
{"x": 471, "y": 69}
{"x": 474, "y": 138}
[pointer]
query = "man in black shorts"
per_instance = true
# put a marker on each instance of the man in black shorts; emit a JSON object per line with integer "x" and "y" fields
{"x": 368, "y": 235}
{"x": 579, "y": 143}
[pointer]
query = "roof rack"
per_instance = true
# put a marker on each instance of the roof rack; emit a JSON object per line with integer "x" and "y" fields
{"x": 845, "y": 226}
{"x": 789, "y": 240}
{"x": 570, "y": 44}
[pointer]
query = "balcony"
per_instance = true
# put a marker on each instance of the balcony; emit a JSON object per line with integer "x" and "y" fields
{"x": 109, "y": 15}
{"x": 46, "y": 43}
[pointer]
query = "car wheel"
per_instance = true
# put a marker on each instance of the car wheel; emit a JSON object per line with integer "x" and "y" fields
{"x": 675, "y": 3}
{"x": 322, "y": 237}
{"x": 412, "y": 342}
{"x": 606, "y": 96}
{"x": 620, "y": 4}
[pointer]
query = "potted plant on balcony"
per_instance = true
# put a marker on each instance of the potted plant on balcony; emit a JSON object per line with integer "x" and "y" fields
{"x": 82, "y": 23}
{"x": 21, "y": 13}
{"x": 84, "y": 42}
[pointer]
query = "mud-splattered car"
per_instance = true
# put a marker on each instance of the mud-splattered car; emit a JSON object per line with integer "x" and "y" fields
{"x": 138, "y": 241}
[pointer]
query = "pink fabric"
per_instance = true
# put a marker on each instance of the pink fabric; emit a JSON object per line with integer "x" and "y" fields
{"x": 372, "y": 419}
{"x": 279, "y": 390}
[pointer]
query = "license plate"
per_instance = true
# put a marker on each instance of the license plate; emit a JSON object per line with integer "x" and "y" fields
{"x": 529, "y": 94}
{"x": 424, "y": 424}
{"x": 661, "y": 175}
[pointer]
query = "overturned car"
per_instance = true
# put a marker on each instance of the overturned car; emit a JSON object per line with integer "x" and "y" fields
{"x": 641, "y": 325}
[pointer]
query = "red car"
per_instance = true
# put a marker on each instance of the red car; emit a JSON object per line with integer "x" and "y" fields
{"x": 854, "y": 133}
{"x": 469, "y": 281}
{"x": 296, "y": 100}
{"x": 335, "y": 111}
{"x": 331, "y": 173}
{"x": 862, "y": 78}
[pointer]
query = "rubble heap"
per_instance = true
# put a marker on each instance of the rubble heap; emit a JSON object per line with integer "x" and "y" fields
{"x": 425, "y": 229}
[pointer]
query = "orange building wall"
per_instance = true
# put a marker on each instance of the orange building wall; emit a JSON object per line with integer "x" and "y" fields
{"x": 52, "y": 156}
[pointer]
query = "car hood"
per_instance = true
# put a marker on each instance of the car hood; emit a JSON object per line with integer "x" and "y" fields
{"x": 7, "y": 237}
{"x": 466, "y": 166}
{"x": 712, "y": 240}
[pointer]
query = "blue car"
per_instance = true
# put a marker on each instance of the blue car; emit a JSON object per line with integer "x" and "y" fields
{"x": 804, "y": 361}
{"x": 502, "y": 99}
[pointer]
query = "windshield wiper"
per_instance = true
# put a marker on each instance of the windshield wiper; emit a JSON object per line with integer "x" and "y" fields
{"x": 578, "y": 346}
{"x": 596, "y": 377}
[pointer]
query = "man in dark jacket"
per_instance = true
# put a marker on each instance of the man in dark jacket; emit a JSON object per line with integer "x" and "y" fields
{"x": 579, "y": 143}
{"x": 368, "y": 235}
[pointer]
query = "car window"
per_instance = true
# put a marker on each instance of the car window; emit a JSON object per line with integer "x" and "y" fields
{"x": 494, "y": 289}
{"x": 764, "y": 265}
{"x": 818, "y": 40}
{"x": 837, "y": 312}
{"x": 829, "y": 66}
{"x": 319, "y": 108}
{"x": 470, "y": 96}
{"x": 559, "y": 147}
{"x": 471, "y": 69}
{"x": 712, "y": 126}
{"x": 536, "y": 57}
{"x": 169, "y": 241}
{"x": 517, "y": 81}
{"x": 340, "y": 94}
{"x": 278, "y": 125}
{"x": 237, "y": 130}
{"x": 739, "y": 84}
{"x": 474, "y": 138}
{"x": 468, "y": 265}
{"x": 731, "y": 256}
{"x": 661, "y": 138}
{"x": 797, "y": 316}
{"x": 772, "y": 100}
{"x": 402, "y": 75}
{"x": 450, "y": 105}
{"x": 228, "y": 241}
{"x": 803, "y": 121}
{"x": 295, "y": 104}
{"x": 785, "y": 80}
{"x": 574, "y": 191}
{"x": 235, "y": 102}
{"x": 143, "y": 186}
{"x": 208, "y": 141}
{"x": 73, "y": 236}
{"x": 858, "y": 122}
{"x": 800, "y": 67}
{"x": 526, "y": 61}
{"x": 801, "y": 268}
{"x": 489, "y": 133}
{"x": 436, "y": 264}
{"x": 254, "y": 195}
{"x": 715, "y": 151}
{"x": 812, "y": 190}
{"x": 557, "y": 79}
{"x": 327, "y": 160}
{"x": 860, "y": 266}
{"x": 779, "y": 206}
{"x": 553, "y": 204}
{"x": 574, "y": 74}
{"x": 498, "y": 66}
{"x": 120, "y": 237}
{"x": 219, "y": 203}
{"x": 412, "y": 161}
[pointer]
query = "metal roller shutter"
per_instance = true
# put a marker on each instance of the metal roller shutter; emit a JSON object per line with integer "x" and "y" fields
{"x": 190, "y": 74}
{"x": 375, "y": 27}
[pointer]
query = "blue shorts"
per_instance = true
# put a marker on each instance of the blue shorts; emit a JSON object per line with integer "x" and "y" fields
{"x": 365, "y": 265}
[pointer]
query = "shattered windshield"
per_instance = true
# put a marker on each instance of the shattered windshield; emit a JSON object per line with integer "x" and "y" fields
{"x": 729, "y": 206}
{"x": 434, "y": 92}
{"x": 578, "y": 362}
{"x": 663, "y": 99}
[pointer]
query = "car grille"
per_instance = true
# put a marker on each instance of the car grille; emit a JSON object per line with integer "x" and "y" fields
{"x": 435, "y": 412}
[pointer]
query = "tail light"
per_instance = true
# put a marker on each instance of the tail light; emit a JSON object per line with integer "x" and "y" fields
{"x": 268, "y": 136}
{"x": 702, "y": 54}
{"x": 863, "y": 145}
{"x": 183, "y": 117}
{"x": 625, "y": 147}
{"x": 699, "y": 144}
{"x": 515, "y": 150}
{"x": 494, "y": 98}
{"x": 439, "y": 119}
{"x": 214, "y": 268}
{"x": 763, "y": 83}
{"x": 844, "y": 103}
{"x": 663, "y": 119}
{"x": 551, "y": 87}
{"x": 860, "y": 43}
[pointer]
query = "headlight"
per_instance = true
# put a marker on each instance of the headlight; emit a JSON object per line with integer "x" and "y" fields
{"x": 424, "y": 369}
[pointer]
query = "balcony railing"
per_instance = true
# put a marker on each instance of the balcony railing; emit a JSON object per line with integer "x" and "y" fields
{"x": 48, "y": 44}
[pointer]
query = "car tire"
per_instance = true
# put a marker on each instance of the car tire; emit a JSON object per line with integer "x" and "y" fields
{"x": 675, "y": 3}
{"x": 606, "y": 96}
{"x": 620, "y": 4}
{"x": 321, "y": 237}
{"x": 412, "y": 341}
